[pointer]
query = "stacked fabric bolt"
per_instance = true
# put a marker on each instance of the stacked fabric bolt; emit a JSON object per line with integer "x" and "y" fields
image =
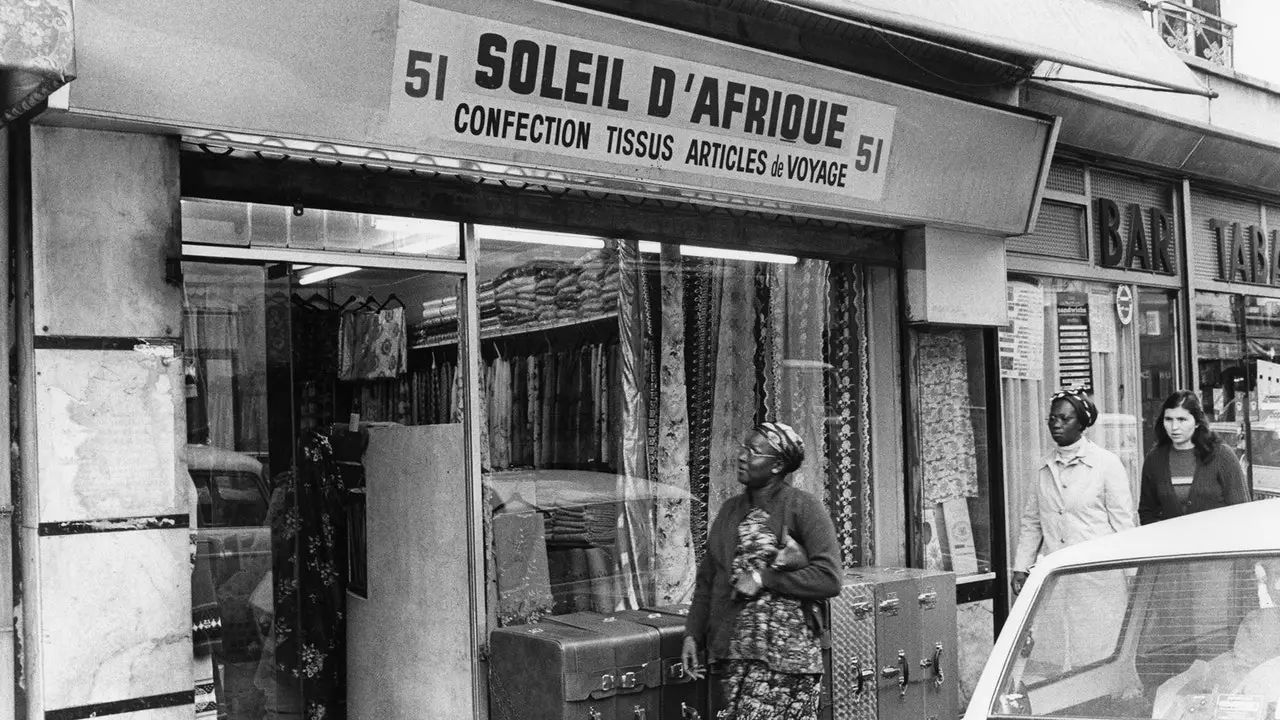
{"x": 602, "y": 524}
{"x": 597, "y": 279}
{"x": 567, "y": 528}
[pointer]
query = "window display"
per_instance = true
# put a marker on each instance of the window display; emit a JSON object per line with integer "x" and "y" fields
{"x": 1238, "y": 338}
{"x": 616, "y": 380}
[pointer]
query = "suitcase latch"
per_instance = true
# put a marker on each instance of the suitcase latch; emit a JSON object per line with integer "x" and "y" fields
{"x": 860, "y": 609}
{"x": 890, "y": 606}
{"x": 929, "y": 600}
{"x": 606, "y": 682}
{"x": 628, "y": 680}
{"x": 675, "y": 670}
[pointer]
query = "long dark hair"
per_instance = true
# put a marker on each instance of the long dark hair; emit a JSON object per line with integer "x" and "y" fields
{"x": 1204, "y": 440}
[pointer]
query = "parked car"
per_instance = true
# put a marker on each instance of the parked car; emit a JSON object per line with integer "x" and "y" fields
{"x": 1177, "y": 620}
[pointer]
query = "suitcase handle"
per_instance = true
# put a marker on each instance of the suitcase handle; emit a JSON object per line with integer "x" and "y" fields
{"x": 936, "y": 663}
{"x": 688, "y": 713}
{"x": 902, "y": 672}
{"x": 863, "y": 674}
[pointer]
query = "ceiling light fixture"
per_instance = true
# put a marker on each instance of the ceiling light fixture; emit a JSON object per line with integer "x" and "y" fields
{"x": 649, "y": 246}
{"x": 320, "y": 274}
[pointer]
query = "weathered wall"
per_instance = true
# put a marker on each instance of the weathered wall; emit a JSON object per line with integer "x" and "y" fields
{"x": 104, "y": 522}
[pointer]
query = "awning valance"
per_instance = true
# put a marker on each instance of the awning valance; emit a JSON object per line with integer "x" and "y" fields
{"x": 37, "y": 53}
{"x": 1108, "y": 36}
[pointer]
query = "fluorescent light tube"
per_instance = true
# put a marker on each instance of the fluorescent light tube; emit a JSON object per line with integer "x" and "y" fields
{"x": 649, "y": 246}
{"x": 324, "y": 273}
{"x": 537, "y": 237}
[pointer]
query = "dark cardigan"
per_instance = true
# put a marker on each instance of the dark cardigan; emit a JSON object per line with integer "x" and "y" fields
{"x": 1217, "y": 482}
{"x": 714, "y": 610}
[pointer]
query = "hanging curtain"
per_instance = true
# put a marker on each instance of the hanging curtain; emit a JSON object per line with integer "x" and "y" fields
{"x": 309, "y": 629}
{"x": 674, "y": 562}
{"x": 635, "y": 522}
{"x": 949, "y": 453}
{"x": 733, "y": 403}
{"x": 702, "y": 331}
{"x": 799, "y": 301}
{"x": 849, "y": 450}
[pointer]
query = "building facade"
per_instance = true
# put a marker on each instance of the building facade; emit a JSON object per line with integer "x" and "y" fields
{"x": 335, "y": 353}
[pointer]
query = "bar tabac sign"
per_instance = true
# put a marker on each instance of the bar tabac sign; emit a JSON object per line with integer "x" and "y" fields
{"x": 463, "y": 78}
{"x": 1246, "y": 253}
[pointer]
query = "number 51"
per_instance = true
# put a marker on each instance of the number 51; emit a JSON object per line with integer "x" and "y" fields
{"x": 418, "y": 84}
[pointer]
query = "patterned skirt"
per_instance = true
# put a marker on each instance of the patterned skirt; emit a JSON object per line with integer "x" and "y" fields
{"x": 751, "y": 691}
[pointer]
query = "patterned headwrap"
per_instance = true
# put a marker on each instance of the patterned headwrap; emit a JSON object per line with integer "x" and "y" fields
{"x": 1086, "y": 411}
{"x": 784, "y": 441}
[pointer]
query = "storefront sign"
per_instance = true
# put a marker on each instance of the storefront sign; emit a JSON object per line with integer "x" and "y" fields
{"x": 1244, "y": 253}
{"x": 1147, "y": 244}
{"x": 1075, "y": 362}
{"x": 549, "y": 95}
{"x": 458, "y": 77}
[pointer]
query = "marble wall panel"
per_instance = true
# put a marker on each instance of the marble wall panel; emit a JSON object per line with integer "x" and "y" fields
{"x": 106, "y": 218}
{"x": 107, "y": 434}
{"x": 116, "y": 616}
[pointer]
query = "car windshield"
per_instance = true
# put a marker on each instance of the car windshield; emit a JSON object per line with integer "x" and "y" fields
{"x": 1180, "y": 639}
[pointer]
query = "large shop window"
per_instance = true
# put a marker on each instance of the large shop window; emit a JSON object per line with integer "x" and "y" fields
{"x": 950, "y": 394}
{"x": 1117, "y": 341}
{"x": 325, "y": 419}
{"x": 1238, "y": 343}
{"x": 302, "y": 391}
{"x": 619, "y": 380}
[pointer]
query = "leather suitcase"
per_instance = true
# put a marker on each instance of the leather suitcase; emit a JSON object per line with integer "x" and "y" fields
{"x": 637, "y": 669}
{"x": 557, "y": 671}
{"x": 682, "y": 697}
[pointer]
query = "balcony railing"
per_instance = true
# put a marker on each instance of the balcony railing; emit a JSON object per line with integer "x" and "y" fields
{"x": 1195, "y": 32}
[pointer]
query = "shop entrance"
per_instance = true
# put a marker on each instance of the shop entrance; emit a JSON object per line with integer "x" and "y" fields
{"x": 329, "y": 462}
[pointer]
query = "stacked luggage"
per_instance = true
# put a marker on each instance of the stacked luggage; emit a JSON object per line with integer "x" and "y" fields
{"x": 890, "y": 653}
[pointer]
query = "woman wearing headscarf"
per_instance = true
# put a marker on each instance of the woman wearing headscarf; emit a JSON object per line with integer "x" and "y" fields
{"x": 1189, "y": 469}
{"x": 771, "y": 557}
{"x": 1080, "y": 492}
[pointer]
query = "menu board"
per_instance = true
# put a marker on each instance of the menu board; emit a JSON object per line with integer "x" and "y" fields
{"x": 1075, "y": 364}
{"x": 1022, "y": 340}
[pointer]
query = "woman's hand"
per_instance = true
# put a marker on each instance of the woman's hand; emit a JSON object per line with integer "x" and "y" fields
{"x": 748, "y": 584}
{"x": 791, "y": 556}
{"x": 689, "y": 657}
{"x": 1019, "y": 579}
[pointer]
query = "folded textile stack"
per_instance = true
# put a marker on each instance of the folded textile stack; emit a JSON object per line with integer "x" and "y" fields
{"x": 567, "y": 528}
{"x": 597, "y": 281}
{"x": 602, "y": 524}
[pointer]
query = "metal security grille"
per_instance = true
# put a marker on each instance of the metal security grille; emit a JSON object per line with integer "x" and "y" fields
{"x": 1205, "y": 208}
{"x": 1066, "y": 177}
{"x": 1126, "y": 190}
{"x": 1060, "y": 233}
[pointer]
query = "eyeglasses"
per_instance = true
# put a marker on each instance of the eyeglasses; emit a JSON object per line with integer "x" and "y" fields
{"x": 753, "y": 453}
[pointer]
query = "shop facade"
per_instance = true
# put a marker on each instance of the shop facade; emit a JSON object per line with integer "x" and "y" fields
{"x": 1235, "y": 309}
{"x": 460, "y": 326}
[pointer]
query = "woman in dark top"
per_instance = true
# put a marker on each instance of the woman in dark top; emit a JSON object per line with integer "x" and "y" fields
{"x": 771, "y": 557}
{"x": 1189, "y": 469}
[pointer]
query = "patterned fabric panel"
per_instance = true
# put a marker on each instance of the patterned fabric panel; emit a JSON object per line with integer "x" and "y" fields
{"x": 853, "y": 648}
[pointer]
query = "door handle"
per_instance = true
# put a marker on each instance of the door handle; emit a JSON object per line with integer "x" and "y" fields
{"x": 862, "y": 674}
